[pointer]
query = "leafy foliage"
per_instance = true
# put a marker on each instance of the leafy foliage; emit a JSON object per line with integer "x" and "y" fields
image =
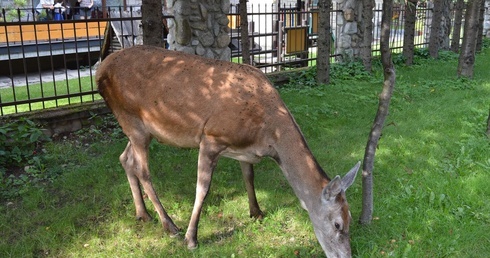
{"x": 304, "y": 79}
{"x": 14, "y": 11}
{"x": 104, "y": 129}
{"x": 21, "y": 158}
{"x": 349, "y": 71}
{"x": 18, "y": 142}
{"x": 486, "y": 43}
{"x": 339, "y": 71}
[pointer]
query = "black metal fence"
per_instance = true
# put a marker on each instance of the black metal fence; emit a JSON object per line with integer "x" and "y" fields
{"x": 49, "y": 62}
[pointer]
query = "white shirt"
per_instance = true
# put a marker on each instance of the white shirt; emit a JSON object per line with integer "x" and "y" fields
{"x": 40, "y": 7}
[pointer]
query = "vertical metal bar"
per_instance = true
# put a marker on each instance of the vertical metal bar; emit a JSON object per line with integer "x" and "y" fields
{"x": 24, "y": 65}
{"x": 65, "y": 67}
{"x": 267, "y": 41}
{"x": 77, "y": 57}
{"x": 279, "y": 44}
{"x": 9, "y": 61}
{"x": 251, "y": 31}
{"x": 109, "y": 14}
{"x": 121, "y": 36}
{"x": 89, "y": 51}
{"x": 99, "y": 38}
{"x": 50, "y": 40}
{"x": 38, "y": 62}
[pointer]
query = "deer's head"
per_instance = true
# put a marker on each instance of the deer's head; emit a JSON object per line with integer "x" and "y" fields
{"x": 332, "y": 218}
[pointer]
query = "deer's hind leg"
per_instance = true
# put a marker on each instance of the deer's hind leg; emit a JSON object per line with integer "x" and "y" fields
{"x": 135, "y": 162}
{"x": 128, "y": 163}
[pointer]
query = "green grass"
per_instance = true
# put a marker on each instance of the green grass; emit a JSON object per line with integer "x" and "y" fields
{"x": 47, "y": 90}
{"x": 431, "y": 180}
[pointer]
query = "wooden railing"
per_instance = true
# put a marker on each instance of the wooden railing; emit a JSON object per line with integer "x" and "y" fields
{"x": 51, "y": 31}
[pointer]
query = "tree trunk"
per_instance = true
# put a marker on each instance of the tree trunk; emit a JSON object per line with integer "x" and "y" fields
{"x": 444, "y": 41}
{"x": 383, "y": 107}
{"x": 479, "y": 39}
{"x": 152, "y": 21}
{"x": 245, "y": 42}
{"x": 323, "y": 43}
{"x": 458, "y": 17}
{"x": 468, "y": 48}
{"x": 435, "y": 29}
{"x": 488, "y": 124}
{"x": 409, "y": 34}
{"x": 366, "y": 28}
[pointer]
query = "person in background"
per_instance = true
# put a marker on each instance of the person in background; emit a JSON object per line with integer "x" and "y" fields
{"x": 45, "y": 5}
{"x": 68, "y": 11}
{"x": 86, "y": 8}
{"x": 59, "y": 10}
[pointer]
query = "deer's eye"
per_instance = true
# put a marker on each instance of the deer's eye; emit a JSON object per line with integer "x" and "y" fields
{"x": 337, "y": 226}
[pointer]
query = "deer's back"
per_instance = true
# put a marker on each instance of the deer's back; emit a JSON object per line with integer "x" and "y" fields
{"x": 177, "y": 97}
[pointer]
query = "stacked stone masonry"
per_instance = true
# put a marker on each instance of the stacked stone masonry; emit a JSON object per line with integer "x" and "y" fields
{"x": 200, "y": 27}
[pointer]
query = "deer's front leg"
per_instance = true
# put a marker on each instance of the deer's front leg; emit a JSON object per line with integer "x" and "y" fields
{"x": 248, "y": 177}
{"x": 208, "y": 157}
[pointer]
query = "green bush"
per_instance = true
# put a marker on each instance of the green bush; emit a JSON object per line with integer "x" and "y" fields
{"x": 21, "y": 160}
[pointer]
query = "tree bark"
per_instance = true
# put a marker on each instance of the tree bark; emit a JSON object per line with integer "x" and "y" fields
{"x": 383, "y": 107}
{"x": 444, "y": 42}
{"x": 323, "y": 43}
{"x": 488, "y": 124}
{"x": 435, "y": 29}
{"x": 458, "y": 17}
{"x": 409, "y": 34}
{"x": 152, "y": 21}
{"x": 468, "y": 48}
{"x": 245, "y": 41}
{"x": 366, "y": 28}
{"x": 479, "y": 39}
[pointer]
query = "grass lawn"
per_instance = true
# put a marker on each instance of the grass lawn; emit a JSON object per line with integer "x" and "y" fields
{"x": 431, "y": 177}
{"x": 46, "y": 90}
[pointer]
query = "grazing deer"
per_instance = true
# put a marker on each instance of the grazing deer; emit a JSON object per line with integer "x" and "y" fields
{"x": 224, "y": 109}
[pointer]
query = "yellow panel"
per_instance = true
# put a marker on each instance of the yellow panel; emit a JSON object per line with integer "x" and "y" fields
{"x": 233, "y": 21}
{"x": 314, "y": 22}
{"x": 295, "y": 40}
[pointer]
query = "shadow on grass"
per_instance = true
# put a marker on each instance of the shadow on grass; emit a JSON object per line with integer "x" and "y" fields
{"x": 430, "y": 173}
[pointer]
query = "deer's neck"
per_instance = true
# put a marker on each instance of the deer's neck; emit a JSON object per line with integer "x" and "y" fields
{"x": 300, "y": 167}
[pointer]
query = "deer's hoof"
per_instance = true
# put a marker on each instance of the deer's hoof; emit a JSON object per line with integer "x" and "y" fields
{"x": 191, "y": 244}
{"x": 259, "y": 215}
{"x": 144, "y": 217}
{"x": 175, "y": 234}
{"x": 172, "y": 230}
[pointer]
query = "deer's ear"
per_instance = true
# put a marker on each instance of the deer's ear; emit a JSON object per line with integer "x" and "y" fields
{"x": 348, "y": 179}
{"x": 331, "y": 190}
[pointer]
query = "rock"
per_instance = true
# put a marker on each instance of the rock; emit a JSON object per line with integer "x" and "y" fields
{"x": 183, "y": 31}
{"x": 223, "y": 40}
{"x": 206, "y": 39}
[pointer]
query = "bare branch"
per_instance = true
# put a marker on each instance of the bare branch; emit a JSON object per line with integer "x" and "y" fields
{"x": 384, "y": 103}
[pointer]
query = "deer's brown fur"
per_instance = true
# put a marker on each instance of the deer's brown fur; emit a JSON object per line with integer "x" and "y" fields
{"x": 224, "y": 109}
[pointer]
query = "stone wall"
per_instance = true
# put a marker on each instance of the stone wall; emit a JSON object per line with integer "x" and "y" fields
{"x": 346, "y": 27}
{"x": 486, "y": 23}
{"x": 200, "y": 27}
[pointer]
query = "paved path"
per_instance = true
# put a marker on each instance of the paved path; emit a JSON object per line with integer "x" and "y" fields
{"x": 34, "y": 78}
